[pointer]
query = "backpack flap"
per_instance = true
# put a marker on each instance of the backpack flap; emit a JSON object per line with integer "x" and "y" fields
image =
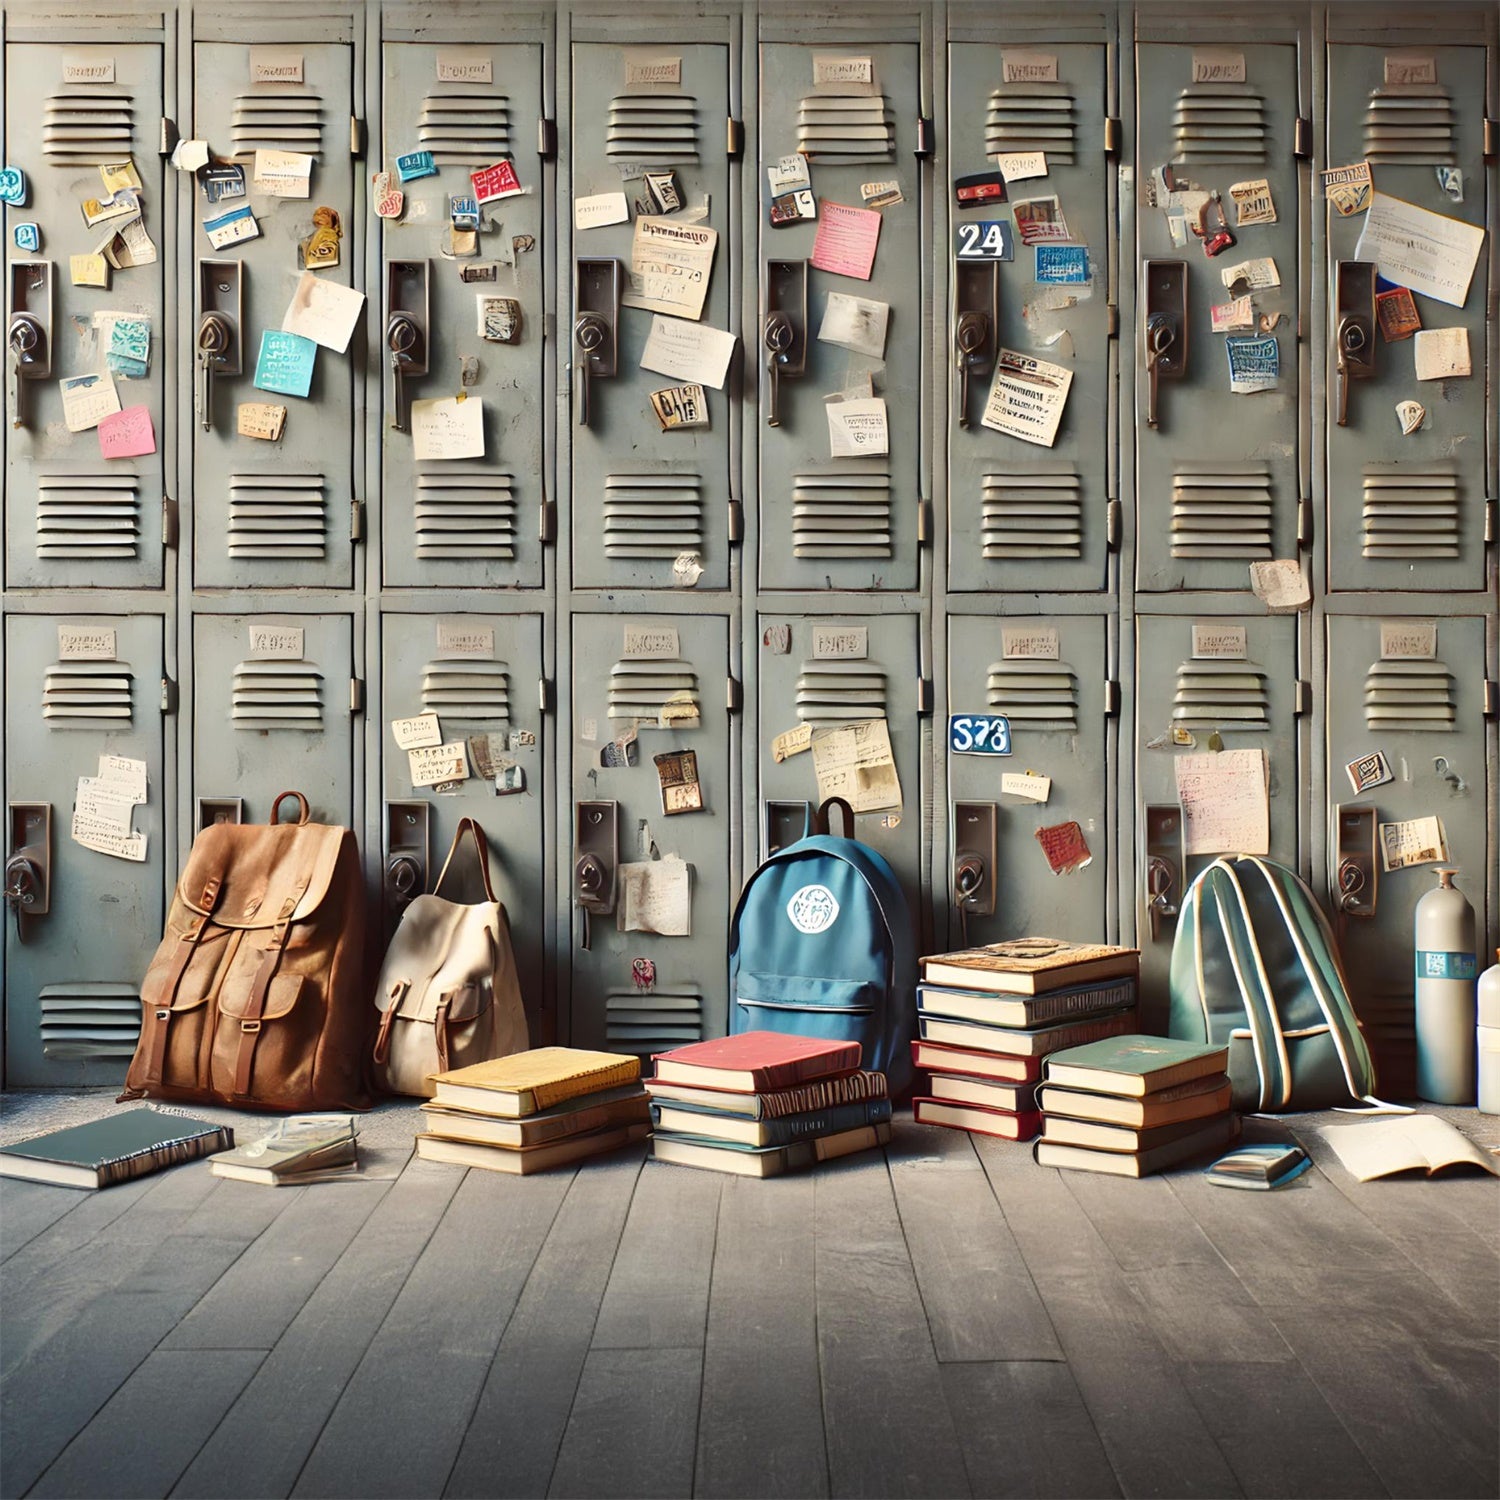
{"x": 254, "y": 871}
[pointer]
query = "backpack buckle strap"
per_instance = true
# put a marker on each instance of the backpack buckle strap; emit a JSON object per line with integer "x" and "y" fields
{"x": 440, "y": 1031}
{"x": 250, "y": 1022}
{"x": 159, "y": 1014}
{"x": 388, "y": 1019}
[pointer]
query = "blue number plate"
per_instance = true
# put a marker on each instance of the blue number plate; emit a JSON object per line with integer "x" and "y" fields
{"x": 979, "y": 734}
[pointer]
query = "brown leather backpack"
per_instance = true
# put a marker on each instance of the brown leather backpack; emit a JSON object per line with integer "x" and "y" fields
{"x": 256, "y": 996}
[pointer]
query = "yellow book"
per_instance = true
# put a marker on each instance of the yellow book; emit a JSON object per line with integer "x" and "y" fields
{"x": 526, "y": 1082}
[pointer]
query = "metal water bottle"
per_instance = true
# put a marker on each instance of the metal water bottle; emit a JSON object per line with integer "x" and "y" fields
{"x": 1446, "y": 971}
{"x": 1488, "y": 1039}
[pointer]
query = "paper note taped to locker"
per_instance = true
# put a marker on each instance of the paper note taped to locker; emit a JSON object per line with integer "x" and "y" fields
{"x": 858, "y": 429}
{"x": 791, "y": 742}
{"x": 432, "y": 765}
{"x": 599, "y": 210}
{"x": 1417, "y": 841}
{"x": 1027, "y": 398}
{"x": 261, "y": 419}
{"x": 854, "y": 761}
{"x": 688, "y": 351}
{"x": 670, "y": 266}
{"x": 857, "y": 324}
{"x": 1225, "y": 807}
{"x": 447, "y": 428}
{"x": 127, "y": 433}
{"x": 655, "y": 895}
{"x": 87, "y": 399}
{"x": 1026, "y": 784}
{"x": 282, "y": 174}
{"x": 103, "y": 838}
{"x": 323, "y": 311}
{"x": 1442, "y": 354}
{"x": 99, "y": 801}
{"x": 846, "y": 240}
{"x": 1413, "y": 247}
{"x": 418, "y": 732}
{"x": 125, "y": 776}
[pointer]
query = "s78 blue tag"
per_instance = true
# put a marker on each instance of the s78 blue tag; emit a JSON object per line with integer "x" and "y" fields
{"x": 979, "y": 734}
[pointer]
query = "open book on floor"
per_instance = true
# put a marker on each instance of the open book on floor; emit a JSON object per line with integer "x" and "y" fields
{"x": 1414, "y": 1143}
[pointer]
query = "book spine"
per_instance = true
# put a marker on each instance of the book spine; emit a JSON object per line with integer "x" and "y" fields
{"x": 823, "y": 1095}
{"x": 559, "y": 1091}
{"x": 806, "y": 1070}
{"x": 1077, "y": 1034}
{"x": 1060, "y": 1005}
{"x": 790, "y": 1128}
{"x": 164, "y": 1154}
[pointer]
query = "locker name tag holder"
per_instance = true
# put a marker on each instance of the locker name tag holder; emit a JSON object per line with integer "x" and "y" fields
{"x": 1218, "y": 65}
{"x": 1028, "y": 642}
{"x": 840, "y": 642}
{"x": 465, "y": 65}
{"x": 85, "y": 643}
{"x": 1408, "y": 640}
{"x": 1224, "y": 642}
{"x": 276, "y": 642}
{"x": 651, "y": 643}
{"x": 268, "y": 65}
{"x": 979, "y": 734}
{"x": 985, "y": 239}
{"x": 456, "y": 639}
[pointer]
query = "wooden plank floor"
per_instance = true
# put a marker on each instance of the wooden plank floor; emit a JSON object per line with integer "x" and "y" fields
{"x": 941, "y": 1318}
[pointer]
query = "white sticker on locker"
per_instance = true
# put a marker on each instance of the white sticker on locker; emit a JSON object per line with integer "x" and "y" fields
{"x": 276, "y": 642}
{"x": 1028, "y": 642}
{"x": 417, "y": 732}
{"x": 85, "y": 643}
{"x": 651, "y": 643}
{"x": 460, "y": 638}
{"x": 1408, "y": 640}
{"x": 125, "y": 775}
{"x": 1022, "y": 166}
{"x": 1211, "y": 639}
{"x": 1026, "y": 784}
{"x": 840, "y": 642}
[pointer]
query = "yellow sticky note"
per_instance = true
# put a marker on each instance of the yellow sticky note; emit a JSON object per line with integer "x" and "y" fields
{"x": 89, "y": 270}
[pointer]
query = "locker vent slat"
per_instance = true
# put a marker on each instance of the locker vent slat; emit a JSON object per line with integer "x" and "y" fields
{"x": 85, "y": 126}
{"x": 652, "y": 515}
{"x": 1222, "y": 510}
{"x": 656, "y": 1022}
{"x": 87, "y": 695}
{"x": 88, "y": 1019}
{"x": 1033, "y": 515}
{"x": 464, "y": 514}
{"x": 273, "y": 118}
{"x": 277, "y": 695}
{"x": 1034, "y": 694}
{"x": 645, "y": 689}
{"x": 1033, "y": 117}
{"x": 652, "y": 127}
{"x": 840, "y": 692}
{"x": 1410, "y": 125}
{"x": 464, "y": 124}
{"x": 1411, "y": 513}
{"x": 836, "y": 128}
{"x": 279, "y": 516}
{"x": 1219, "y": 122}
{"x": 466, "y": 688}
{"x": 1225, "y": 695}
{"x": 88, "y": 517}
{"x": 1409, "y": 696}
{"x": 842, "y": 514}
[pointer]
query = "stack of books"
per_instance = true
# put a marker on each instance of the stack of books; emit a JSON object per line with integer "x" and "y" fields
{"x": 549, "y": 1107}
{"x": 1134, "y": 1105}
{"x": 297, "y": 1150}
{"x": 763, "y": 1103}
{"x": 988, "y": 1017}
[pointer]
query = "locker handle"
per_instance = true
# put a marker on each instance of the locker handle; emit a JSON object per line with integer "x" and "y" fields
{"x": 215, "y": 339}
{"x": 1356, "y": 874}
{"x": 597, "y": 287}
{"x": 1164, "y": 333}
{"x": 408, "y": 351}
{"x": 1354, "y": 333}
{"x": 976, "y": 317}
{"x": 591, "y": 334}
{"x": 28, "y": 867}
{"x": 784, "y": 330}
{"x": 28, "y": 333}
{"x": 1160, "y": 336}
{"x": 28, "y": 343}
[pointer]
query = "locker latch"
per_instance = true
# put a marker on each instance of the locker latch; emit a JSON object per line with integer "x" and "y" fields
{"x": 1491, "y": 698}
{"x": 1165, "y": 863}
{"x": 168, "y": 695}
{"x": 28, "y": 864}
{"x": 167, "y": 137}
{"x": 546, "y": 138}
{"x": 597, "y": 286}
{"x": 1165, "y": 333}
{"x": 1114, "y": 135}
{"x": 28, "y": 334}
{"x": 734, "y": 139}
{"x": 784, "y": 822}
{"x": 1354, "y": 328}
{"x": 407, "y": 856}
{"x": 406, "y": 324}
{"x": 926, "y": 137}
{"x": 220, "y": 318}
{"x": 1356, "y": 874}
{"x": 1491, "y": 139}
{"x": 596, "y": 852}
{"x": 975, "y": 846}
{"x": 976, "y": 317}
{"x": 784, "y": 333}
{"x": 212, "y": 811}
{"x": 1302, "y": 138}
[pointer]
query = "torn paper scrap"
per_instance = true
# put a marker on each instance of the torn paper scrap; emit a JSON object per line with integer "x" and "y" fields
{"x": 1411, "y": 415}
{"x": 1225, "y": 808}
{"x": 1442, "y": 354}
{"x": 433, "y": 765}
{"x": 791, "y": 742}
{"x": 858, "y": 429}
{"x": 855, "y": 762}
{"x": 323, "y": 311}
{"x": 857, "y": 324}
{"x": 1026, "y": 784}
{"x": 417, "y": 732}
{"x": 1280, "y": 585}
{"x": 655, "y": 895}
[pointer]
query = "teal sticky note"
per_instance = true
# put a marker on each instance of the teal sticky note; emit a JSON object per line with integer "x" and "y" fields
{"x": 285, "y": 364}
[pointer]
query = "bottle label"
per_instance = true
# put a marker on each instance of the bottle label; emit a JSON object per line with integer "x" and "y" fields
{"x": 1446, "y": 965}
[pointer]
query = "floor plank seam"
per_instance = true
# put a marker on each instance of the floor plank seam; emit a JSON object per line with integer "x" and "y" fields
{"x": 818, "y": 1341}
{"x": 708, "y": 1302}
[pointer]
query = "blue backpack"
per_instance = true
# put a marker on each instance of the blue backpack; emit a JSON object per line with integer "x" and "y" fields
{"x": 821, "y": 945}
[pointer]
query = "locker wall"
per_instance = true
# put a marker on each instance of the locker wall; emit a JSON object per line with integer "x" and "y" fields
{"x": 583, "y": 597}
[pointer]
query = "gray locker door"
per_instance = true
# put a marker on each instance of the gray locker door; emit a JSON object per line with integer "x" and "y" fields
{"x": 644, "y": 498}
{"x": 73, "y": 1010}
{"x": 277, "y": 514}
{"x": 1250, "y": 701}
{"x": 612, "y": 692}
{"x": 1426, "y": 716}
{"x": 477, "y": 691}
{"x": 266, "y": 725}
{"x": 1047, "y": 676}
{"x": 1021, "y": 515}
{"x": 844, "y": 670}
{"x": 1409, "y": 512}
{"x": 847, "y": 523}
{"x": 1219, "y": 480}
{"x": 73, "y": 517}
{"x": 467, "y": 523}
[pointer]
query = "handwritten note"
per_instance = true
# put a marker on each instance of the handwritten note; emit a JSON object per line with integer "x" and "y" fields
{"x": 857, "y": 324}
{"x": 102, "y": 837}
{"x": 858, "y": 428}
{"x": 286, "y": 362}
{"x": 596, "y": 211}
{"x": 1021, "y": 166}
{"x": 283, "y": 174}
{"x": 688, "y": 351}
{"x": 323, "y": 311}
{"x": 88, "y": 270}
{"x": 1026, "y": 785}
{"x": 670, "y": 265}
{"x": 1417, "y": 841}
{"x": 855, "y": 762}
{"x": 447, "y": 428}
{"x": 1225, "y": 809}
{"x": 1442, "y": 354}
{"x": 846, "y": 241}
{"x": 87, "y": 399}
{"x": 655, "y": 895}
{"x": 433, "y": 765}
{"x": 1065, "y": 847}
{"x": 127, "y": 434}
{"x": 1427, "y": 252}
{"x": 417, "y": 733}
{"x": 261, "y": 419}
{"x": 1027, "y": 398}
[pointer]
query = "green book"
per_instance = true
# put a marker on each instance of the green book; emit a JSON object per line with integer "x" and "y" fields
{"x": 1134, "y": 1065}
{"x": 114, "y": 1149}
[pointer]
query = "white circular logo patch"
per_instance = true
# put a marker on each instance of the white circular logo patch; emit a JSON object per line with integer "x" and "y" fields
{"x": 813, "y": 909}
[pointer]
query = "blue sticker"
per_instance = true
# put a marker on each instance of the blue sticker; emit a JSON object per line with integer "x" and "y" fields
{"x": 416, "y": 164}
{"x": 1067, "y": 265}
{"x": 285, "y": 364}
{"x": 979, "y": 734}
{"x": 1254, "y": 364}
{"x": 985, "y": 239}
{"x": 1439, "y": 965}
{"x": 28, "y": 237}
{"x": 12, "y": 186}
{"x": 463, "y": 211}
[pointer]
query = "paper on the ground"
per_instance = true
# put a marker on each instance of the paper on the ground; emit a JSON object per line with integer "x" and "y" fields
{"x": 1420, "y": 1143}
{"x": 846, "y": 240}
{"x": 432, "y": 765}
{"x": 1413, "y": 247}
{"x": 1442, "y": 353}
{"x": 323, "y": 311}
{"x": 858, "y": 429}
{"x": 857, "y": 324}
{"x": 1225, "y": 809}
{"x": 86, "y": 399}
{"x": 599, "y": 209}
{"x": 283, "y": 174}
{"x": 1027, "y": 397}
{"x": 688, "y": 351}
{"x": 670, "y": 265}
{"x": 655, "y": 895}
{"x": 1416, "y": 841}
{"x": 448, "y": 428}
{"x": 1280, "y": 585}
{"x": 417, "y": 732}
{"x": 854, "y": 761}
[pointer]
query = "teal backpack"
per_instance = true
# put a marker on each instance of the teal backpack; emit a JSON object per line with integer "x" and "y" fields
{"x": 821, "y": 945}
{"x": 1255, "y": 966}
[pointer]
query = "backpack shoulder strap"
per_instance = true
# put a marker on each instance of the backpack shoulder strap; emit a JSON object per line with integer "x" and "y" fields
{"x": 1268, "y": 1040}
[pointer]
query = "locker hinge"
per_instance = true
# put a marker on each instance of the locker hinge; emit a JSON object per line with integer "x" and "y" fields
{"x": 1302, "y": 139}
{"x": 546, "y": 138}
{"x": 1492, "y": 520}
{"x": 167, "y": 143}
{"x": 1114, "y": 523}
{"x": 1491, "y": 698}
{"x": 1302, "y": 697}
{"x": 736, "y": 523}
{"x": 1491, "y": 138}
{"x": 734, "y": 694}
{"x": 356, "y": 137}
{"x": 356, "y": 521}
{"x": 1304, "y": 522}
{"x": 543, "y": 695}
{"x": 356, "y": 695}
{"x": 168, "y": 696}
{"x": 1112, "y": 696}
{"x": 546, "y": 522}
{"x": 1114, "y": 135}
{"x": 1112, "y": 325}
{"x": 170, "y": 527}
{"x": 734, "y": 138}
{"x": 924, "y": 696}
{"x": 924, "y": 523}
{"x": 926, "y": 137}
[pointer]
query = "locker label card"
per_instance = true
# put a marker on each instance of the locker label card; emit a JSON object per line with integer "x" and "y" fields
{"x": 1428, "y": 252}
{"x": 417, "y": 733}
{"x": 655, "y": 895}
{"x": 1417, "y": 841}
{"x": 1213, "y": 640}
{"x": 87, "y": 399}
{"x": 1028, "y": 67}
{"x": 979, "y": 734}
{"x": 984, "y": 239}
{"x": 1369, "y": 770}
{"x": 277, "y": 642}
{"x": 457, "y": 640}
{"x": 842, "y": 72}
{"x": 127, "y": 434}
{"x": 323, "y": 311}
{"x": 275, "y": 65}
{"x": 1218, "y": 65}
{"x": 1408, "y": 640}
{"x": 1348, "y": 188}
{"x": 465, "y": 65}
{"x": 688, "y": 351}
{"x": 448, "y": 427}
{"x": 651, "y": 643}
{"x": 855, "y": 762}
{"x": 1028, "y": 642}
{"x": 652, "y": 70}
{"x": 436, "y": 765}
{"x": 840, "y": 642}
{"x": 1403, "y": 68}
{"x": 681, "y": 791}
{"x": 670, "y": 266}
{"x": 1065, "y": 847}
{"x": 846, "y": 241}
{"x": 85, "y": 643}
{"x": 1027, "y": 398}
{"x": 1027, "y": 785}
{"x": 1225, "y": 809}
{"x": 285, "y": 363}
{"x": 83, "y": 69}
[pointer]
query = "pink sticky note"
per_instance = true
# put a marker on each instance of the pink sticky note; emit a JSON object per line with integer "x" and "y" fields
{"x": 498, "y": 181}
{"x": 127, "y": 434}
{"x": 846, "y": 240}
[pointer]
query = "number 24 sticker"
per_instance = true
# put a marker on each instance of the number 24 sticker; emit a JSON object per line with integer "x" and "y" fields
{"x": 986, "y": 239}
{"x": 979, "y": 734}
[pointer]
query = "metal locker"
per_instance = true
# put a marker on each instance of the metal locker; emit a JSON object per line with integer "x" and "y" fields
{"x": 272, "y": 513}
{"x": 1411, "y": 692}
{"x": 1048, "y": 677}
{"x": 649, "y": 686}
{"x": 822, "y": 671}
{"x": 482, "y": 676}
{"x": 651, "y": 504}
{"x": 274, "y": 700}
{"x": 472, "y": 522}
{"x": 1022, "y": 514}
{"x": 80, "y": 689}
{"x": 1221, "y": 475}
{"x": 853, "y": 521}
{"x": 1407, "y": 511}
{"x": 74, "y": 518}
{"x": 1202, "y": 685}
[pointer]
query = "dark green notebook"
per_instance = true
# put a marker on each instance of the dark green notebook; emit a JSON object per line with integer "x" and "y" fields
{"x": 114, "y": 1149}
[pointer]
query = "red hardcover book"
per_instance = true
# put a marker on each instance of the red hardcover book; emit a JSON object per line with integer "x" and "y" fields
{"x": 1009, "y": 1125}
{"x": 756, "y": 1061}
{"x": 939, "y": 1059}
